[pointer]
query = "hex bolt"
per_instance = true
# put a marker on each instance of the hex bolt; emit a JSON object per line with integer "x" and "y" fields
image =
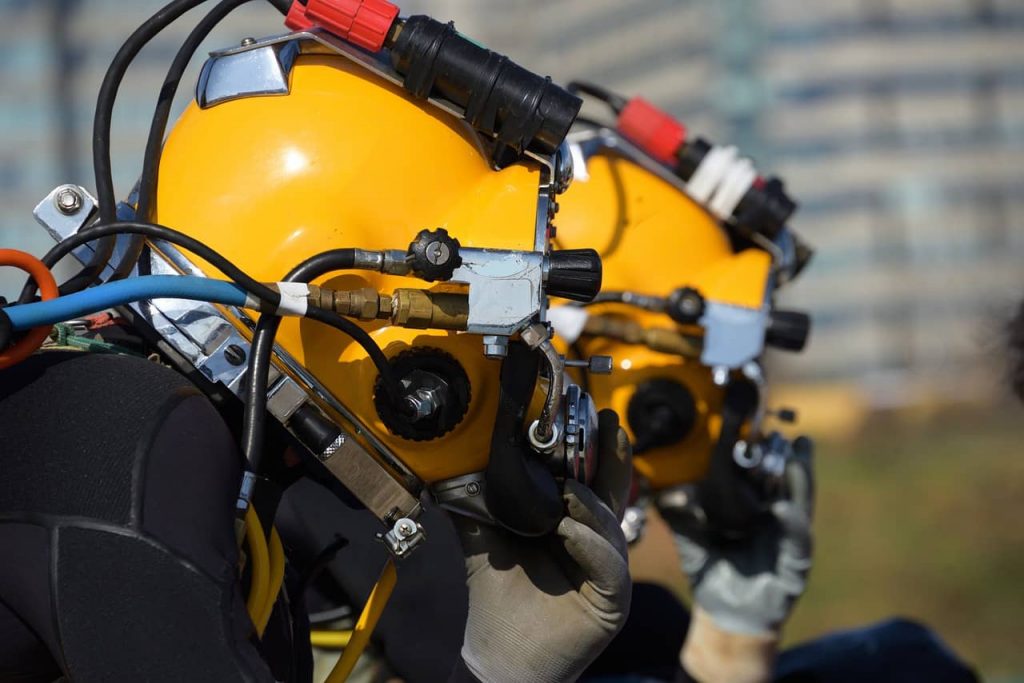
{"x": 235, "y": 355}
{"x": 68, "y": 201}
{"x": 495, "y": 346}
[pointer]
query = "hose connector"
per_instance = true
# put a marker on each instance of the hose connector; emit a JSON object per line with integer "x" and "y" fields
{"x": 538, "y": 338}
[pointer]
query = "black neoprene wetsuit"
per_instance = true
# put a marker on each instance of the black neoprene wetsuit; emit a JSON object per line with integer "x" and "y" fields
{"x": 119, "y": 560}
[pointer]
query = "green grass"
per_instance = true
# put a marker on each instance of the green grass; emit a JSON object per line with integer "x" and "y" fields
{"x": 924, "y": 520}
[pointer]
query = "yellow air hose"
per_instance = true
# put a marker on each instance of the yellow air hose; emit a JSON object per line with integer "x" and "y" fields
{"x": 259, "y": 556}
{"x": 330, "y": 640}
{"x": 274, "y": 581}
{"x": 367, "y": 622}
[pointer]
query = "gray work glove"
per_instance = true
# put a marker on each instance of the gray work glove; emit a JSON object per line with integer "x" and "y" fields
{"x": 542, "y": 609}
{"x": 744, "y": 589}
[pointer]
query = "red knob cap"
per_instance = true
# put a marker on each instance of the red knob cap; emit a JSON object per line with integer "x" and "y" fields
{"x": 365, "y": 23}
{"x": 652, "y": 129}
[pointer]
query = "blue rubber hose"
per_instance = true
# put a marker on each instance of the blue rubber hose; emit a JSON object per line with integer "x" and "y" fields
{"x": 88, "y": 301}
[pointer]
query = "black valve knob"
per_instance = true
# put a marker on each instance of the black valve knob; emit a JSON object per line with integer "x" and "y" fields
{"x": 685, "y": 306}
{"x": 575, "y": 274}
{"x": 434, "y": 255}
{"x": 788, "y": 330}
{"x": 661, "y": 412}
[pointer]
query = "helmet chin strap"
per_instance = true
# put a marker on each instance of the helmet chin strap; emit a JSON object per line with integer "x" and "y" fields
{"x": 521, "y": 494}
{"x": 729, "y": 498}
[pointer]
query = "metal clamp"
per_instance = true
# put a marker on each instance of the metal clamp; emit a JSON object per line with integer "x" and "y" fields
{"x": 404, "y": 536}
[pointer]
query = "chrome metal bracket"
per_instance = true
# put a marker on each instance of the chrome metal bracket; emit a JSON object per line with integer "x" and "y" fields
{"x": 66, "y": 210}
{"x": 264, "y": 70}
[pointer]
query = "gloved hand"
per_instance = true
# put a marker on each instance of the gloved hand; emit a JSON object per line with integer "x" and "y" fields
{"x": 542, "y": 609}
{"x": 744, "y": 589}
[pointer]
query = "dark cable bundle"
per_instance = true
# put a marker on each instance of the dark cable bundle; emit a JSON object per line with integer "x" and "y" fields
{"x": 106, "y": 195}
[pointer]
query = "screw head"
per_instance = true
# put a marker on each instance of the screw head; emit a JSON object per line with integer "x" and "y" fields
{"x": 234, "y": 354}
{"x": 473, "y": 488}
{"x": 68, "y": 201}
{"x": 438, "y": 253}
{"x": 246, "y": 42}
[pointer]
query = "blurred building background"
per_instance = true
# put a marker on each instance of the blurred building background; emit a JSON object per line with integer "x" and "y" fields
{"x": 898, "y": 124}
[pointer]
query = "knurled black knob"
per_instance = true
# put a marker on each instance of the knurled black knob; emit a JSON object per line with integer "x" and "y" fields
{"x": 575, "y": 274}
{"x": 788, "y": 330}
{"x": 434, "y": 255}
{"x": 685, "y": 306}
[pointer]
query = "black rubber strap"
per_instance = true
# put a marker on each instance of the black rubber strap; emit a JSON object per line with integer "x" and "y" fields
{"x": 521, "y": 493}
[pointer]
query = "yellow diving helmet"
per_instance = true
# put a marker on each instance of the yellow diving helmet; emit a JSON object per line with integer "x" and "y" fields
{"x": 302, "y": 144}
{"x": 686, "y": 309}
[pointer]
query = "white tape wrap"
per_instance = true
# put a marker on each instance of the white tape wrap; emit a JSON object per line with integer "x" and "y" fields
{"x": 294, "y": 299}
{"x": 710, "y": 172}
{"x": 733, "y": 187}
{"x": 568, "y": 321}
{"x": 721, "y": 180}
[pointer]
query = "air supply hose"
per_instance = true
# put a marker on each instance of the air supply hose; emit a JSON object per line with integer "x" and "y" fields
{"x": 152, "y": 27}
{"x": 42, "y": 276}
{"x": 158, "y": 127}
{"x": 375, "y": 605}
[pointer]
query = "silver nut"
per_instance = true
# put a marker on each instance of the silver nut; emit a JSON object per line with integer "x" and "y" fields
{"x": 495, "y": 347}
{"x": 68, "y": 201}
{"x": 423, "y": 403}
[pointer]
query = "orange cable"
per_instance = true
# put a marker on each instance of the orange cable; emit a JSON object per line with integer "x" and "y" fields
{"x": 35, "y": 337}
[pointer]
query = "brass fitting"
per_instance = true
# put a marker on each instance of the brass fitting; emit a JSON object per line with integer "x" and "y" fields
{"x": 415, "y": 308}
{"x": 663, "y": 340}
{"x": 420, "y": 309}
{"x": 362, "y": 304}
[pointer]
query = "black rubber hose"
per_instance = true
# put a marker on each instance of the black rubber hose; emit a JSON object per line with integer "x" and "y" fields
{"x": 257, "y": 377}
{"x": 101, "y": 138}
{"x": 616, "y": 102}
{"x": 158, "y": 127}
{"x": 160, "y": 232}
{"x": 363, "y": 338}
{"x": 101, "y": 132}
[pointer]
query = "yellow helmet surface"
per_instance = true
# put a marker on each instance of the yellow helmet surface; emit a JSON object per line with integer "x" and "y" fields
{"x": 653, "y": 241}
{"x": 347, "y": 159}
